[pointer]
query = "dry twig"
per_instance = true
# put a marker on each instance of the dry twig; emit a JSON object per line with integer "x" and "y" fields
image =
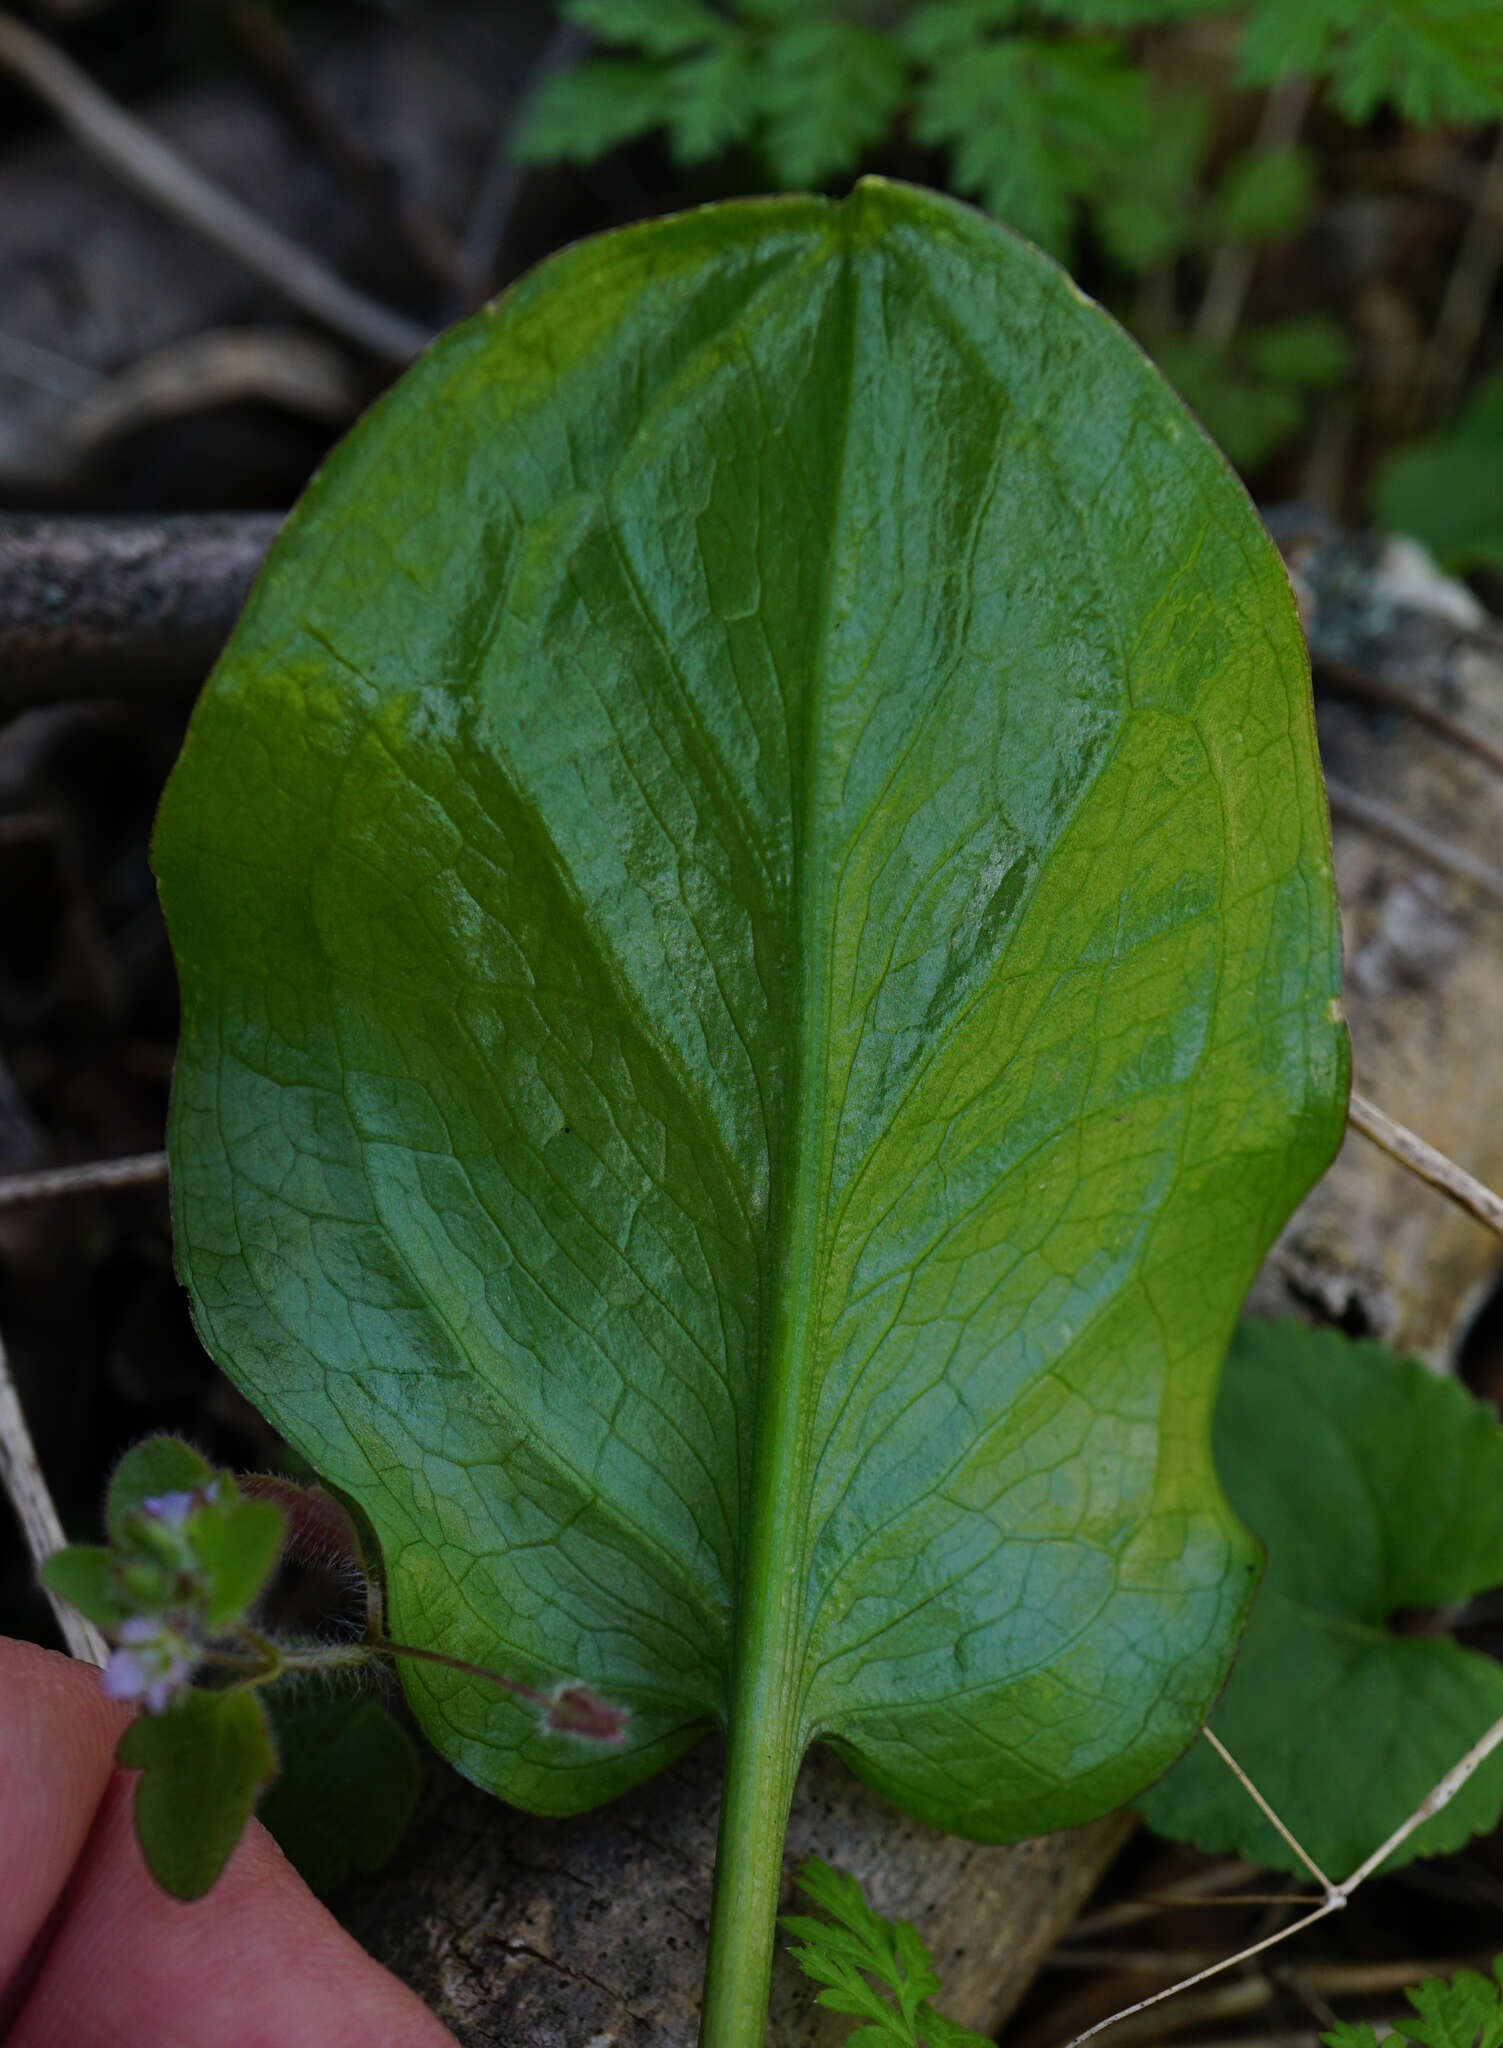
{"x": 99, "y": 1176}
{"x": 271, "y": 49}
{"x": 1430, "y": 1166}
{"x": 1342, "y": 680}
{"x": 149, "y": 167}
{"x": 1390, "y": 824}
{"x": 501, "y": 187}
{"x": 96, "y": 607}
{"x": 1337, "y": 1896}
{"x": 1469, "y": 293}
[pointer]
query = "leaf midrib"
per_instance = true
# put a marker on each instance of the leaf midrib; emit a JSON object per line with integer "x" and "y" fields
{"x": 770, "y": 1609}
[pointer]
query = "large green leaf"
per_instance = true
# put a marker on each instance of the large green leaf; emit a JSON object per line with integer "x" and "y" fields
{"x": 1376, "y": 1487}
{"x": 758, "y": 958}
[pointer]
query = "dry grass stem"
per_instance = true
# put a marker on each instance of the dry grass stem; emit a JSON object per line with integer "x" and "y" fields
{"x": 97, "y": 1177}
{"x": 1233, "y": 265}
{"x": 1268, "y": 1813}
{"x": 1424, "y": 1161}
{"x": 24, "y": 1483}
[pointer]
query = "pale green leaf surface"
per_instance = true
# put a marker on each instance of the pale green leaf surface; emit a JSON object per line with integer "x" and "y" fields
{"x": 1376, "y": 1487}
{"x": 753, "y": 904}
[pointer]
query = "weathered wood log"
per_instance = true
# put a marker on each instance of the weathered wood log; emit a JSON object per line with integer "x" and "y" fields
{"x": 558, "y": 1934}
{"x": 1371, "y": 1250}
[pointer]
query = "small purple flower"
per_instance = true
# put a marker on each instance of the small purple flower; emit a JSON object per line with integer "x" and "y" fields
{"x": 171, "y": 1509}
{"x": 151, "y": 1664}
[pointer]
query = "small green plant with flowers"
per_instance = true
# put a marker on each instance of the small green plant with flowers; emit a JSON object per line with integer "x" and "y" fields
{"x": 177, "y": 1590}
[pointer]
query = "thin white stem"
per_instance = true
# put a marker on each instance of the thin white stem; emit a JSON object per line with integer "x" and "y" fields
{"x": 22, "y": 1475}
{"x": 1337, "y": 1895}
{"x": 1267, "y": 1811}
{"x": 1328, "y": 1906}
{"x": 1442, "y": 1795}
{"x": 1430, "y": 1166}
{"x": 97, "y": 1175}
{"x": 145, "y": 163}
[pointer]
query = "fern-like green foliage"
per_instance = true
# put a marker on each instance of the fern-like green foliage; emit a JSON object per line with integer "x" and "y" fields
{"x": 1037, "y": 123}
{"x": 1433, "y": 60}
{"x": 1043, "y": 106}
{"x": 855, "y": 1944}
{"x": 1467, "y": 2012}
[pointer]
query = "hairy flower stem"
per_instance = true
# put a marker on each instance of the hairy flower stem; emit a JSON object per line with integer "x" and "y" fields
{"x": 267, "y": 1660}
{"x": 383, "y": 1647}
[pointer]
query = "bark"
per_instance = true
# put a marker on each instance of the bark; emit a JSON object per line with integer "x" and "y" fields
{"x": 97, "y": 607}
{"x": 1371, "y": 1250}
{"x": 591, "y": 1933}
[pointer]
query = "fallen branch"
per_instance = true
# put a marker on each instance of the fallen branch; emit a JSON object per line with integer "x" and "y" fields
{"x": 145, "y": 163}
{"x": 97, "y": 607}
{"x": 1341, "y": 679}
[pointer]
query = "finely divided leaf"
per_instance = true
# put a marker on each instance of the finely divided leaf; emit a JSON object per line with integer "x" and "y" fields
{"x": 1035, "y": 125}
{"x": 1466, "y": 2012}
{"x": 855, "y": 1943}
{"x": 1376, "y": 1487}
{"x": 758, "y": 957}
{"x": 1434, "y": 60}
